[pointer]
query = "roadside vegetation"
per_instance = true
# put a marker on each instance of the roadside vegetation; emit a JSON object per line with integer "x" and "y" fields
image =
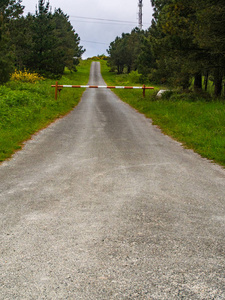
{"x": 35, "y": 50}
{"x": 185, "y": 41}
{"x": 27, "y": 105}
{"x": 44, "y": 42}
{"x": 196, "y": 121}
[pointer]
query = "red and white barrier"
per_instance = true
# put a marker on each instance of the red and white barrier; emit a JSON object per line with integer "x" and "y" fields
{"x": 103, "y": 86}
{"x": 60, "y": 87}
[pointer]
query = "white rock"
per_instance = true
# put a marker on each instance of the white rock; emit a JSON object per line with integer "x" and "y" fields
{"x": 159, "y": 94}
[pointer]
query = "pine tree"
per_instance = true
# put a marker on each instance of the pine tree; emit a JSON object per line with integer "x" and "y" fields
{"x": 175, "y": 44}
{"x": 21, "y": 41}
{"x": 44, "y": 55}
{"x": 67, "y": 40}
{"x": 10, "y": 10}
{"x": 54, "y": 43}
{"x": 210, "y": 35}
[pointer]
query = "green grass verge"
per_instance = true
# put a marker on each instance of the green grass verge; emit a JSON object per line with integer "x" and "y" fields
{"x": 198, "y": 124}
{"x": 26, "y": 108}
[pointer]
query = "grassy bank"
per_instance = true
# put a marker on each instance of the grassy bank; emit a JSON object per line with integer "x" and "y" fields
{"x": 26, "y": 107}
{"x": 197, "y": 123}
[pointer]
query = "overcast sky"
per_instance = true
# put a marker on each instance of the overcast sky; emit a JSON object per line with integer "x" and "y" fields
{"x": 96, "y": 34}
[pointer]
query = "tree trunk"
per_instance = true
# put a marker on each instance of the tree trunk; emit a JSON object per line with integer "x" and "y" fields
{"x": 206, "y": 81}
{"x": 198, "y": 82}
{"x": 218, "y": 79}
{"x": 185, "y": 83}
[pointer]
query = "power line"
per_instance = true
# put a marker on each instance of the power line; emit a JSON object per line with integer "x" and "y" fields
{"x": 100, "y": 19}
{"x": 94, "y": 22}
{"x": 94, "y": 42}
{"x": 115, "y": 22}
{"x": 109, "y": 20}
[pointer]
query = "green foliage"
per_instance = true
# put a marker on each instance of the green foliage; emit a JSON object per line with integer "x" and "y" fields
{"x": 54, "y": 43}
{"x": 98, "y": 57}
{"x": 134, "y": 77}
{"x": 44, "y": 54}
{"x": 21, "y": 41}
{"x": 124, "y": 51}
{"x": 210, "y": 29}
{"x": 6, "y": 59}
{"x": 145, "y": 59}
{"x": 186, "y": 40}
{"x": 45, "y": 42}
{"x": 10, "y": 10}
{"x": 28, "y": 107}
{"x": 209, "y": 33}
{"x": 189, "y": 38}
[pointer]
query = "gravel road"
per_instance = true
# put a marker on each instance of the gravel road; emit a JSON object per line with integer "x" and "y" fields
{"x": 102, "y": 205}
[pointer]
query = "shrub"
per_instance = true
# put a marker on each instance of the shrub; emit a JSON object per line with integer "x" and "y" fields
{"x": 25, "y": 76}
{"x": 166, "y": 95}
{"x": 134, "y": 77}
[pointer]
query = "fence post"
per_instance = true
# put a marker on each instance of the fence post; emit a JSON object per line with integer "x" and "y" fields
{"x": 143, "y": 90}
{"x": 56, "y": 90}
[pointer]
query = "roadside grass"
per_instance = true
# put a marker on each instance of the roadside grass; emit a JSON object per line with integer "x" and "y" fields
{"x": 27, "y": 107}
{"x": 191, "y": 119}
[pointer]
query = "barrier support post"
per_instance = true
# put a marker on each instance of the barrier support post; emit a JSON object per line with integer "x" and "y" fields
{"x": 56, "y": 90}
{"x": 59, "y": 91}
{"x": 143, "y": 90}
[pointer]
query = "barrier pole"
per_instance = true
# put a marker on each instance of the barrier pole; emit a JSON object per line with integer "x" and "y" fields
{"x": 143, "y": 90}
{"x": 56, "y": 90}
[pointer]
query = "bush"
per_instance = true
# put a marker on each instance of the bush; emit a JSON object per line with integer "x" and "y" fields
{"x": 25, "y": 76}
{"x": 167, "y": 95}
{"x": 190, "y": 97}
{"x": 134, "y": 77}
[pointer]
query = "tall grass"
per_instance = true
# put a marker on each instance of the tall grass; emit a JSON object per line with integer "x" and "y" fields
{"x": 27, "y": 107}
{"x": 197, "y": 123}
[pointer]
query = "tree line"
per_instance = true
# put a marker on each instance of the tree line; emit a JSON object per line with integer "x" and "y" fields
{"x": 43, "y": 42}
{"x": 185, "y": 42}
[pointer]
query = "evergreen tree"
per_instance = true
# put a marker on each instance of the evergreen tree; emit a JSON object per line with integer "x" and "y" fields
{"x": 175, "y": 43}
{"x": 117, "y": 54}
{"x": 146, "y": 60}
{"x": 67, "y": 40}
{"x": 134, "y": 44}
{"x": 44, "y": 54}
{"x": 21, "y": 41}
{"x": 124, "y": 51}
{"x": 10, "y": 10}
{"x": 191, "y": 40}
{"x": 210, "y": 35}
{"x": 52, "y": 44}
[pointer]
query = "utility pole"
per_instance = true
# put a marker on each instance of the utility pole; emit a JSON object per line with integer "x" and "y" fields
{"x": 140, "y": 5}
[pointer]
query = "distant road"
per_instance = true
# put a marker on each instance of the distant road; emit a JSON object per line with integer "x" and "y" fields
{"x": 102, "y": 205}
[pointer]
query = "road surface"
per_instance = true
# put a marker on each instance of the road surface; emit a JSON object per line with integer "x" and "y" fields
{"x": 102, "y": 205}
